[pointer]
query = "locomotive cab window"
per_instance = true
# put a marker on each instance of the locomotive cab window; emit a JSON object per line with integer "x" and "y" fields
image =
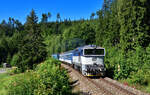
{"x": 93, "y": 51}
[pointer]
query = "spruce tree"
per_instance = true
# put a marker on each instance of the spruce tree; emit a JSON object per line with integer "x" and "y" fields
{"x": 32, "y": 49}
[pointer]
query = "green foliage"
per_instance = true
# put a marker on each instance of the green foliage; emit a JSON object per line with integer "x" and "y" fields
{"x": 121, "y": 26}
{"x": 133, "y": 30}
{"x": 4, "y": 79}
{"x": 52, "y": 81}
{"x": 111, "y": 60}
{"x": 9, "y": 43}
{"x": 45, "y": 17}
{"x": 22, "y": 84}
{"x": 70, "y": 37}
{"x": 141, "y": 73}
{"x": 14, "y": 60}
{"x": 8, "y": 59}
{"x": 3, "y": 49}
{"x": 47, "y": 79}
{"x": 14, "y": 70}
{"x": 123, "y": 31}
{"x": 32, "y": 48}
{"x": 141, "y": 76}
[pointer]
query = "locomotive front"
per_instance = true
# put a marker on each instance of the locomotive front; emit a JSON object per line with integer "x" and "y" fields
{"x": 93, "y": 61}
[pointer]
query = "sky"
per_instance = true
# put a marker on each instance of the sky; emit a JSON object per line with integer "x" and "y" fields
{"x": 73, "y": 9}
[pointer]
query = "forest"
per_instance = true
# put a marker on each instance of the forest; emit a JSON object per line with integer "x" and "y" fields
{"x": 122, "y": 27}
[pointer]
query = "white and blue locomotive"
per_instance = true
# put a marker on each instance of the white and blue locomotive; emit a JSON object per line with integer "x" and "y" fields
{"x": 88, "y": 59}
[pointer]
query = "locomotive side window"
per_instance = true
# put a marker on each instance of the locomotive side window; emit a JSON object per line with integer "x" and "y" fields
{"x": 93, "y": 51}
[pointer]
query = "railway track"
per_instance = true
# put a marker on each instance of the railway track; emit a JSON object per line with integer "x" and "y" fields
{"x": 111, "y": 87}
{"x": 104, "y": 90}
{"x": 103, "y": 86}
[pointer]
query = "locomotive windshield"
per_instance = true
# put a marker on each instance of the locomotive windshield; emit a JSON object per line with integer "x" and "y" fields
{"x": 93, "y": 51}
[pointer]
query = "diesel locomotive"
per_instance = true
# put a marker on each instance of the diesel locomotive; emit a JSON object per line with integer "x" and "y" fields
{"x": 88, "y": 59}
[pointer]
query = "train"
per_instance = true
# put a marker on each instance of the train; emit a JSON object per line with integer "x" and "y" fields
{"x": 88, "y": 59}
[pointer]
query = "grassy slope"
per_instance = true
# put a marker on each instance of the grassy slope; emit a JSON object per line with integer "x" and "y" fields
{"x": 4, "y": 79}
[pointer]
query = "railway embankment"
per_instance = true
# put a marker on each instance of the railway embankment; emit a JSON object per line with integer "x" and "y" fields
{"x": 98, "y": 86}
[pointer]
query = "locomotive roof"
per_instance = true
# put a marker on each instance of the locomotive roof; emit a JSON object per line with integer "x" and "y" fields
{"x": 83, "y": 47}
{"x": 90, "y": 47}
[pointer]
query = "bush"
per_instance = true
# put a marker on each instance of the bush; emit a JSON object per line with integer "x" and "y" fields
{"x": 115, "y": 63}
{"x": 122, "y": 65}
{"x": 52, "y": 79}
{"x": 47, "y": 79}
{"x": 14, "y": 70}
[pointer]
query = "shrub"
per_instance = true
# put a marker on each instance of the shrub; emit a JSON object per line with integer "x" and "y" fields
{"x": 52, "y": 79}
{"x": 14, "y": 70}
{"x": 142, "y": 76}
{"x": 47, "y": 79}
{"x": 124, "y": 64}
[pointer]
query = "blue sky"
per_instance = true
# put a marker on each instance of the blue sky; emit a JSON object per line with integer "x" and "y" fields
{"x": 74, "y": 9}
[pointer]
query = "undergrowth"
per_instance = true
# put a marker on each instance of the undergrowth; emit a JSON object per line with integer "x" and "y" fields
{"x": 47, "y": 79}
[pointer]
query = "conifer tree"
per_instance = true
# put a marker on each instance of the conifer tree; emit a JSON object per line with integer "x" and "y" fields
{"x": 44, "y": 18}
{"x": 92, "y": 16}
{"x": 58, "y": 17}
{"x": 32, "y": 48}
